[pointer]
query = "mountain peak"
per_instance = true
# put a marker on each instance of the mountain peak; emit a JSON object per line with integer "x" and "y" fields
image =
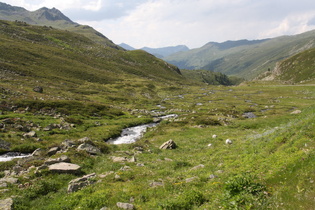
{"x": 51, "y": 14}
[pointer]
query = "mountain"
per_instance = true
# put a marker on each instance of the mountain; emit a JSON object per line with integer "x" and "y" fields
{"x": 296, "y": 69}
{"x": 159, "y": 52}
{"x": 243, "y": 58}
{"x": 126, "y": 46}
{"x": 54, "y": 18}
{"x": 165, "y": 51}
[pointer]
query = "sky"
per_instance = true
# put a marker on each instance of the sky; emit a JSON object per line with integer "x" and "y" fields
{"x": 161, "y": 23}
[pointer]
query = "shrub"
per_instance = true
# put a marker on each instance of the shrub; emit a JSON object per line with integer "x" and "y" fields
{"x": 243, "y": 192}
{"x": 187, "y": 200}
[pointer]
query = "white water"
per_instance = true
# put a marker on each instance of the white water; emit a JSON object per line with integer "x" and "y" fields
{"x": 132, "y": 134}
{"x": 6, "y": 157}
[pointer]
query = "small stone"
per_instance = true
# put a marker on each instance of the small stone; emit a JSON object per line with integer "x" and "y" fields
{"x": 119, "y": 159}
{"x": 168, "y": 145}
{"x": 156, "y": 184}
{"x": 140, "y": 164}
{"x": 38, "y": 152}
{"x": 38, "y": 89}
{"x": 214, "y": 136}
{"x": 228, "y": 141}
{"x": 128, "y": 206}
{"x": 212, "y": 176}
{"x": 77, "y": 184}
{"x": 53, "y": 151}
{"x": 296, "y": 112}
{"x": 209, "y": 145}
{"x": 198, "y": 167}
{"x": 191, "y": 179}
{"x": 30, "y": 134}
{"x": 168, "y": 159}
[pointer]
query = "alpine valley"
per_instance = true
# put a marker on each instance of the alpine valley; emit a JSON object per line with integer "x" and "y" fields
{"x": 226, "y": 126}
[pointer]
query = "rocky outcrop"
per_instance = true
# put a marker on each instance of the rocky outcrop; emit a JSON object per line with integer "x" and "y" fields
{"x": 168, "y": 145}
{"x": 79, "y": 183}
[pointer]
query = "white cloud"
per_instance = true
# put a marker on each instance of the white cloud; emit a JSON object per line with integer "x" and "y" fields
{"x": 158, "y": 23}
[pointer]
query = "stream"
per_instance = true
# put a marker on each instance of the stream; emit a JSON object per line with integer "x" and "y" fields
{"x": 11, "y": 155}
{"x": 127, "y": 136}
{"x": 132, "y": 134}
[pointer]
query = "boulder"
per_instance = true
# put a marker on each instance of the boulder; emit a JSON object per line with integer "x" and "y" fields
{"x": 84, "y": 140}
{"x": 125, "y": 206}
{"x": 170, "y": 144}
{"x": 6, "y": 204}
{"x": 89, "y": 149}
{"x": 64, "y": 167}
{"x": 249, "y": 115}
{"x": 79, "y": 183}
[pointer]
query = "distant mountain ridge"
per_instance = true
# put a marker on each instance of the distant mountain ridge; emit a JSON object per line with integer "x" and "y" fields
{"x": 54, "y": 18}
{"x": 159, "y": 52}
{"x": 243, "y": 58}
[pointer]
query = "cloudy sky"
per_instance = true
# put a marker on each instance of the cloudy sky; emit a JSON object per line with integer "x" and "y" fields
{"x": 160, "y": 23}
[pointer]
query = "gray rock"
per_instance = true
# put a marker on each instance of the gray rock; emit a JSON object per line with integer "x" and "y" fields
{"x": 296, "y": 112}
{"x": 6, "y": 204}
{"x": 89, "y": 149}
{"x": 79, "y": 183}
{"x": 212, "y": 176}
{"x": 198, "y": 167}
{"x": 10, "y": 180}
{"x": 30, "y": 134}
{"x": 119, "y": 159}
{"x": 125, "y": 206}
{"x": 64, "y": 168}
{"x": 5, "y": 145}
{"x": 156, "y": 184}
{"x": 38, "y": 89}
{"x": 38, "y": 152}
{"x": 84, "y": 140}
{"x": 249, "y": 115}
{"x": 68, "y": 144}
{"x": 191, "y": 179}
{"x": 63, "y": 158}
{"x": 170, "y": 144}
{"x": 53, "y": 151}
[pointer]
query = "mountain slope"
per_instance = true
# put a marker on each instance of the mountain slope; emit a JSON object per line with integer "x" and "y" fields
{"x": 296, "y": 69}
{"x": 51, "y": 54}
{"x": 54, "y": 18}
{"x": 243, "y": 58}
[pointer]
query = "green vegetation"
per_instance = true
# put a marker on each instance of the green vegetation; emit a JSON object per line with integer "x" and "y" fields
{"x": 94, "y": 91}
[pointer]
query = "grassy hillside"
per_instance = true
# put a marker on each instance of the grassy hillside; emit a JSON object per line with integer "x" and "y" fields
{"x": 211, "y": 78}
{"x": 296, "y": 69}
{"x": 245, "y": 59}
{"x": 53, "y": 18}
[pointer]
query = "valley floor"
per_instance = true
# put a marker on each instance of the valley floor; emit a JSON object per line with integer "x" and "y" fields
{"x": 268, "y": 163}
